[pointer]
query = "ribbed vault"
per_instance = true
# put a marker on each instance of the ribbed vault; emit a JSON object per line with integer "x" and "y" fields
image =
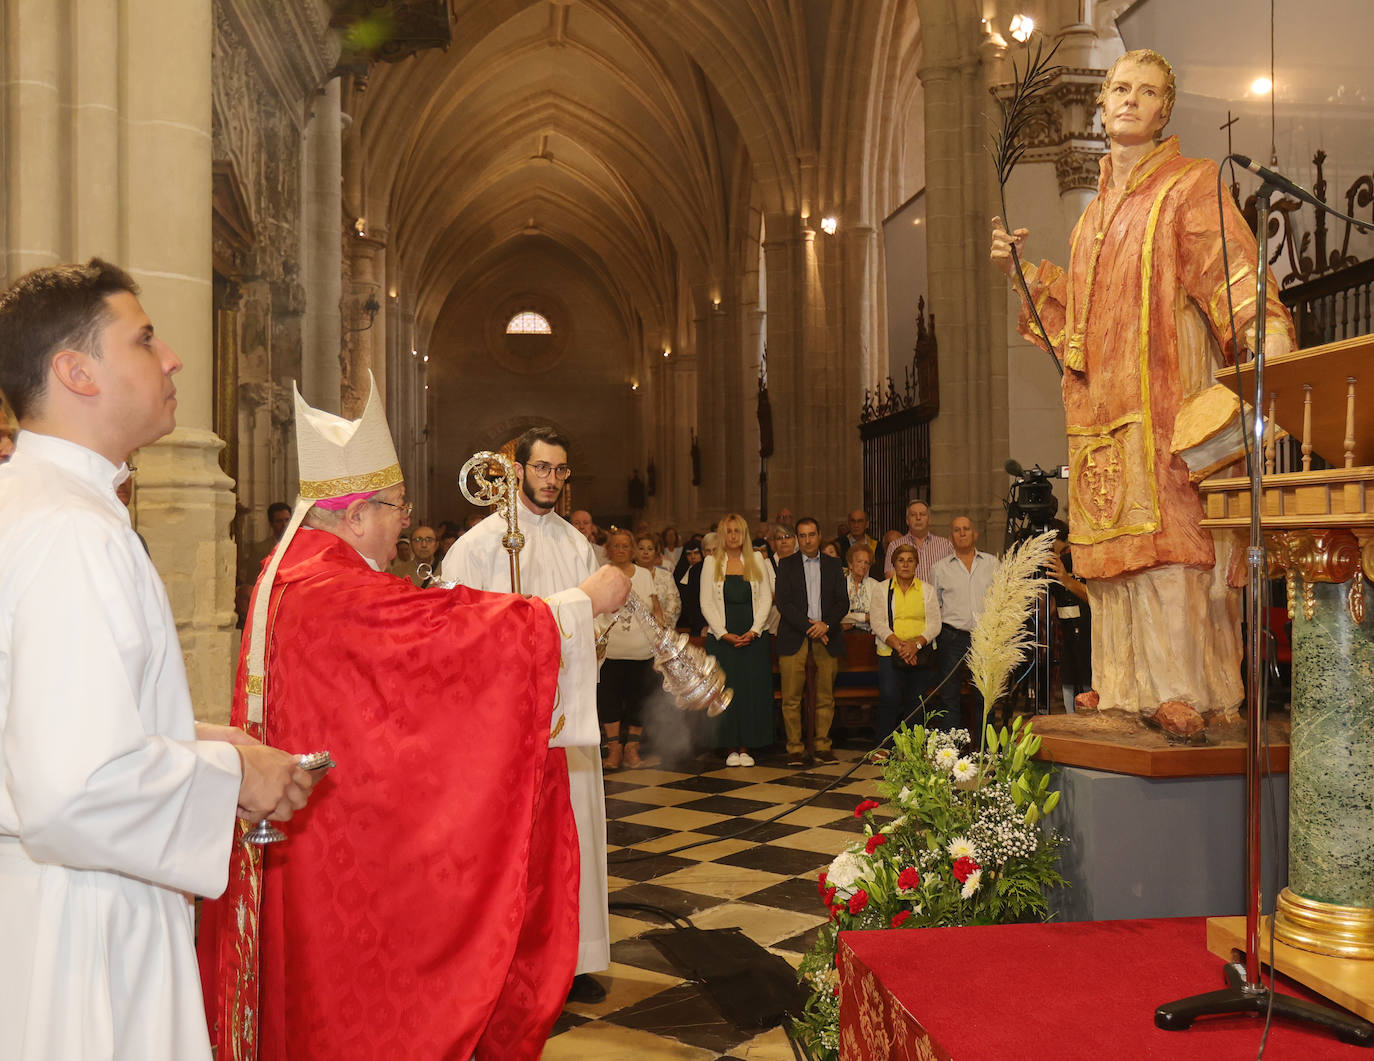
{"x": 645, "y": 141}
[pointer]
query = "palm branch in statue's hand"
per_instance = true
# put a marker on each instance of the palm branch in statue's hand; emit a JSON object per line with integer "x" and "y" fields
{"x": 1009, "y": 144}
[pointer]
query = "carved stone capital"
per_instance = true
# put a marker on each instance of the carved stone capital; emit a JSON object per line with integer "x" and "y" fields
{"x": 1064, "y": 130}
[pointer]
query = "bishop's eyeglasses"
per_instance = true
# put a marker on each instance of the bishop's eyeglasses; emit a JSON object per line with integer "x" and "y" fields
{"x": 405, "y": 507}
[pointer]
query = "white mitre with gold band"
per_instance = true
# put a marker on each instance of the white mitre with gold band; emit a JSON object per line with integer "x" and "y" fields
{"x": 340, "y": 461}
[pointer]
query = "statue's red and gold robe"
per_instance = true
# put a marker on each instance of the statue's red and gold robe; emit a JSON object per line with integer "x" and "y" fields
{"x": 425, "y": 903}
{"x": 1142, "y": 322}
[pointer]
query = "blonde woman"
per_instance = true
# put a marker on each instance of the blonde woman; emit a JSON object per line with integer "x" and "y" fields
{"x": 736, "y": 595}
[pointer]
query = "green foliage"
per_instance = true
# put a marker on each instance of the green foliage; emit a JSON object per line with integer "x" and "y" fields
{"x": 967, "y": 829}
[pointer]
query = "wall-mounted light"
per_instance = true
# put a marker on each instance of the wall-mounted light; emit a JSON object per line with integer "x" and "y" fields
{"x": 1022, "y": 26}
{"x": 360, "y": 227}
{"x": 426, "y": 359}
{"x": 392, "y": 292}
{"x": 634, "y": 384}
{"x": 370, "y": 308}
{"x": 829, "y": 225}
{"x": 415, "y": 353}
{"x": 717, "y": 306}
{"x": 667, "y": 350}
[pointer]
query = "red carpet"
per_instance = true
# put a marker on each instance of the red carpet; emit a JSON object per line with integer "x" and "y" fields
{"x": 1058, "y": 992}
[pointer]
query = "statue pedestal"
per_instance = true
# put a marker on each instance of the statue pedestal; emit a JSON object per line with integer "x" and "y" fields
{"x": 1143, "y": 847}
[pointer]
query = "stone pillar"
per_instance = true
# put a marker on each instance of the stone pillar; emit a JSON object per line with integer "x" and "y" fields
{"x": 321, "y": 250}
{"x": 188, "y": 502}
{"x": 107, "y": 151}
{"x": 1328, "y": 906}
{"x": 364, "y": 345}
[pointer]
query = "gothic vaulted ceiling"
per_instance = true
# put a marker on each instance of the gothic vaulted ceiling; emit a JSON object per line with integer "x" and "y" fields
{"x": 637, "y": 135}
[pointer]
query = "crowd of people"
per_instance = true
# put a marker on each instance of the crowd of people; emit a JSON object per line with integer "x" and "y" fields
{"x": 780, "y": 594}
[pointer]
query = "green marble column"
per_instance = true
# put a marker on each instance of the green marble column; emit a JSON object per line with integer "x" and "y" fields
{"x": 1331, "y": 771}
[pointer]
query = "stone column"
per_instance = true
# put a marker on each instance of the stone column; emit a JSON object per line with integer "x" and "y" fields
{"x": 165, "y": 159}
{"x": 107, "y": 151}
{"x": 1328, "y": 906}
{"x": 364, "y": 346}
{"x": 321, "y": 250}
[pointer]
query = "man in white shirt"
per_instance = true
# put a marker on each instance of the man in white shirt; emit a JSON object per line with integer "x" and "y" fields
{"x": 115, "y": 804}
{"x": 586, "y": 526}
{"x": 962, "y": 581}
{"x": 556, "y": 557}
{"x": 930, "y": 548}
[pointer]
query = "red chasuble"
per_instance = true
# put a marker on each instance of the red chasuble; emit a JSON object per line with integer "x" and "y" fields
{"x": 425, "y": 903}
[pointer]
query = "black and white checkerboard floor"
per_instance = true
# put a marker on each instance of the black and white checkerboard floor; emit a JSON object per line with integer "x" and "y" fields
{"x": 764, "y": 884}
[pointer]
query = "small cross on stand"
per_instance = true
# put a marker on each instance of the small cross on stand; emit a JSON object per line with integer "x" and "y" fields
{"x": 1231, "y": 120}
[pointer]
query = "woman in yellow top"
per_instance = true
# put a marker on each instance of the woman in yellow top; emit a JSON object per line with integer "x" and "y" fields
{"x": 904, "y": 612}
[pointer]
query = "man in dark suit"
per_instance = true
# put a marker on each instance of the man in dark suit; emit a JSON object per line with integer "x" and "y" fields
{"x": 812, "y": 600}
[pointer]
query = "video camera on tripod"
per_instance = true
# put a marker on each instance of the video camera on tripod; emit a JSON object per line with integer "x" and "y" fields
{"x": 1030, "y": 504}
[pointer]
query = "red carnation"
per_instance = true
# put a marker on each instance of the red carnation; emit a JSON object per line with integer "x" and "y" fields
{"x": 964, "y": 868}
{"x": 874, "y": 842}
{"x": 820, "y": 883}
{"x": 909, "y": 879}
{"x": 900, "y": 918}
{"x": 866, "y": 805}
{"x": 830, "y": 896}
{"x": 858, "y": 901}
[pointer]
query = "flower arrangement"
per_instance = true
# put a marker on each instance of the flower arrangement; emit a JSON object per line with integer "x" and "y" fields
{"x": 968, "y": 846}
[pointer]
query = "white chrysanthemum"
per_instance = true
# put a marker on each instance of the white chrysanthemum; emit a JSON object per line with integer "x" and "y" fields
{"x": 946, "y": 758}
{"x": 964, "y": 769}
{"x": 846, "y": 871}
{"x": 971, "y": 885}
{"x": 959, "y": 847}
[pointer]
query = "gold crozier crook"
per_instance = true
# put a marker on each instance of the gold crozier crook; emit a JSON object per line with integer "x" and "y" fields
{"x": 499, "y": 491}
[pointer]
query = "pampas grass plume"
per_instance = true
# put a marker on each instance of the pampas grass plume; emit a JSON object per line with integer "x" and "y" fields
{"x": 1000, "y": 637}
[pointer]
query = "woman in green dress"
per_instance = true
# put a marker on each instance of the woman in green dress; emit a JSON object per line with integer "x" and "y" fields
{"x": 736, "y": 595}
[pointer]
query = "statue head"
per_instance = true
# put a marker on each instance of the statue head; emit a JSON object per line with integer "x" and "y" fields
{"x": 1143, "y": 57}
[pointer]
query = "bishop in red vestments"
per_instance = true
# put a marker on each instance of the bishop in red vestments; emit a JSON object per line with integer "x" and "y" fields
{"x": 426, "y": 905}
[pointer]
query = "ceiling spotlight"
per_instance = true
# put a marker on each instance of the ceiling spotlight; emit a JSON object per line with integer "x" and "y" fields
{"x": 1261, "y": 86}
{"x": 829, "y": 224}
{"x": 1022, "y": 26}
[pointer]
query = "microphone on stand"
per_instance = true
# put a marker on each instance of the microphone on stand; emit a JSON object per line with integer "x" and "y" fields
{"x": 1283, "y": 184}
{"x": 1013, "y": 468}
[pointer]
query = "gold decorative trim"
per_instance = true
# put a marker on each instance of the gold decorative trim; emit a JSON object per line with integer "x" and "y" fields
{"x": 1317, "y": 555}
{"x": 1324, "y": 928}
{"x": 1292, "y": 584}
{"x": 254, "y": 685}
{"x": 1309, "y": 600}
{"x": 1105, "y": 429}
{"x": 1355, "y": 600}
{"x": 317, "y": 489}
{"x": 558, "y": 728}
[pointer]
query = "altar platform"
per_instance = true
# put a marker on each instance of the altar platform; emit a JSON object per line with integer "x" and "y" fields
{"x": 1052, "y": 992}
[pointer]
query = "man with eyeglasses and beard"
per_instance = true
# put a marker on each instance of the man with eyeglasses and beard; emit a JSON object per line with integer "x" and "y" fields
{"x": 556, "y": 557}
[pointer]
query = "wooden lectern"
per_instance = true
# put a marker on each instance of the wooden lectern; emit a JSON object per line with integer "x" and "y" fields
{"x": 1318, "y": 530}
